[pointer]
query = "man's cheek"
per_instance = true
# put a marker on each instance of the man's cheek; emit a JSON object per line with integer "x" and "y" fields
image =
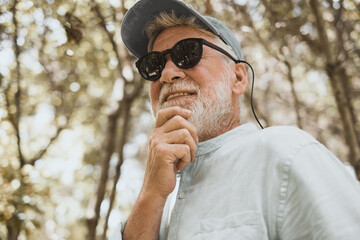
{"x": 154, "y": 100}
{"x": 155, "y": 109}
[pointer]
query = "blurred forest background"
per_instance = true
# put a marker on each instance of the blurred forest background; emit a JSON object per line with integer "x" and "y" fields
{"x": 75, "y": 116}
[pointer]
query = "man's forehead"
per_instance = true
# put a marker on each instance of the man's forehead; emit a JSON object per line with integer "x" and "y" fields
{"x": 177, "y": 33}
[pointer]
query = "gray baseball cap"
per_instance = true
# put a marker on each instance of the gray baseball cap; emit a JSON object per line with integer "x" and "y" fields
{"x": 136, "y": 19}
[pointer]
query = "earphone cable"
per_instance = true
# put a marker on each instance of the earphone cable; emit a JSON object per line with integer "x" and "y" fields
{"x": 252, "y": 90}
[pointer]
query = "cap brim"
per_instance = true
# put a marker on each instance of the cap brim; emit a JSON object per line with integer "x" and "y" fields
{"x": 136, "y": 19}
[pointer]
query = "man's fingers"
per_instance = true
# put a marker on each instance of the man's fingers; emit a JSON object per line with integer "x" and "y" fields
{"x": 182, "y": 136}
{"x": 178, "y": 122}
{"x": 182, "y": 154}
{"x": 176, "y": 154}
{"x": 166, "y": 114}
{"x": 181, "y": 165}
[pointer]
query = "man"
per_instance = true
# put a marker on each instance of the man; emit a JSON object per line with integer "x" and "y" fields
{"x": 234, "y": 181}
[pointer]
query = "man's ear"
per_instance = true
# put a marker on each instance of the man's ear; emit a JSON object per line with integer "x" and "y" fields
{"x": 241, "y": 81}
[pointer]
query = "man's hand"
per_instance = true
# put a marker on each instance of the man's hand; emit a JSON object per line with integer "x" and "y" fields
{"x": 172, "y": 146}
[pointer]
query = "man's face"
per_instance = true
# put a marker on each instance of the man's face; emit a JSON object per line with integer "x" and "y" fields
{"x": 206, "y": 89}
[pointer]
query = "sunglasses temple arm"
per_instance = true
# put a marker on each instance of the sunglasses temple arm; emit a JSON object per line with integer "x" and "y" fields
{"x": 223, "y": 51}
{"x": 252, "y": 90}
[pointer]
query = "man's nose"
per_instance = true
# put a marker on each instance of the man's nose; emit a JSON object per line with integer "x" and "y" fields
{"x": 171, "y": 72}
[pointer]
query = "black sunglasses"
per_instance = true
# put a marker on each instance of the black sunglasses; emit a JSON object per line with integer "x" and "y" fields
{"x": 185, "y": 54}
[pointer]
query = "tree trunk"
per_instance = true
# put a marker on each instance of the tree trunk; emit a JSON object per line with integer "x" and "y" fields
{"x": 297, "y": 104}
{"x": 108, "y": 150}
{"x": 337, "y": 75}
{"x": 339, "y": 84}
{"x": 126, "y": 116}
{"x": 13, "y": 227}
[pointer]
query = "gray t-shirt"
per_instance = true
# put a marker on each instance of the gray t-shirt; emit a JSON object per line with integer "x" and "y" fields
{"x": 275, "y": 183}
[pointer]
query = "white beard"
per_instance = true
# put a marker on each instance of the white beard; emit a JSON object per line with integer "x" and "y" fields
{"x": 211, "y": 114}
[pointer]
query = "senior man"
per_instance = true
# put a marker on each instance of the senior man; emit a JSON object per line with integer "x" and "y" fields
{"x": 208, "y": 175}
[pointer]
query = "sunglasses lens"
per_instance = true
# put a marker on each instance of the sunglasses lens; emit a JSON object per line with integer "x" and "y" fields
{"x": 151, "y": 65}
{"x": 187, "y": 53}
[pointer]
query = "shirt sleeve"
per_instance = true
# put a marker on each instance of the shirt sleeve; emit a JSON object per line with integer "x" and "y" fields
{"x": 321, "y": 200}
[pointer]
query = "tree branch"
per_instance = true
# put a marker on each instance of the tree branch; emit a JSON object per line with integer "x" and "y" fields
{"x": 297, "y": 103}
{"x": 319, "y": 23}
{"x": 109, "y": 34}
{"x": 50, "y": 74}
{"x": 41, "y": 153}
{"x": 126, "y": 116}
{"x": 108, "y": 149}
{"x": 110, "y": 136}
{"x": 17, "y": 115}
{"x": 338, "y": 78}
{"x": 290, "y": 78}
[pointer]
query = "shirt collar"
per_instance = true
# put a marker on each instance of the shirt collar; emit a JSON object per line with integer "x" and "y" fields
{"x": 217, "y": 142}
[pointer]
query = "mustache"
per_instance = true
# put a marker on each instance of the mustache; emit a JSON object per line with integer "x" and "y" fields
{"x": 177, "y": 86}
